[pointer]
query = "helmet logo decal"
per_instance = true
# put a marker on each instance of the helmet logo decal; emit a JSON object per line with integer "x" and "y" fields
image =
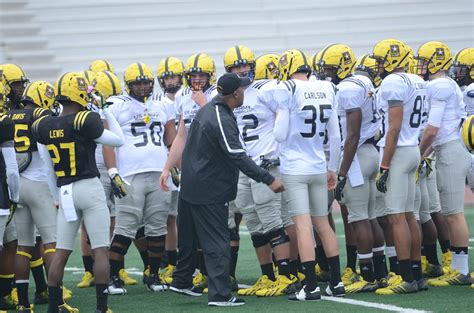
{"x": 81, "y": 84}
{"x": 49, "y": 92}
{"x": 283, "y": 60}
{"x": 346, "y": 57}
{"x": 271, "y": 67}
{"x": 395, "y": 50}
{"x": 439, "y": 53}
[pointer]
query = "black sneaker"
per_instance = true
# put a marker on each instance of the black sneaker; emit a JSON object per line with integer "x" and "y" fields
{"x": 335, "y": 291}
{"x": 116, "y": 286}
{"x": 154, "y": 283}
{"x": 193, "y": 291}
{"x": 233, "y": 301}
{"x": 304, "y": 295}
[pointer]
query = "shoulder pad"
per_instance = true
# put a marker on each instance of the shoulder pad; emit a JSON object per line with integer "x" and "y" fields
{"x": 80, "y": 119}
{"x": 38, "y": 112}
{"x": 258, "y": 84}
{"x": 404, "y": 77}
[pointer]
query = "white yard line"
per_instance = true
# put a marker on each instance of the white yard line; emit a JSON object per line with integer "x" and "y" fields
{"x": 375, "y": 305}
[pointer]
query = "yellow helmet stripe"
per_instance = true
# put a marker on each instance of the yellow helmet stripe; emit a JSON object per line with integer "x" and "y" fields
{"x": 114, "y": 89}
{"x": 458, "y": 54}
{"x": 166, "y": 64}
{"x": 196, "y": 60}
{"x": 237, "y": 51}
{"x": 60, "y": 83}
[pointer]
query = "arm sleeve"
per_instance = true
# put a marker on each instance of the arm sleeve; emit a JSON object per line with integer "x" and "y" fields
{"x": 50, "y": 174}
{"x": 436, "y": 112}
{"x": 13, "y": 176}
{"x": 114, "y": 136}
{"x": 282, "y": 125}
{"x": 228, "y": 138}
{"x": 334, "y": 136}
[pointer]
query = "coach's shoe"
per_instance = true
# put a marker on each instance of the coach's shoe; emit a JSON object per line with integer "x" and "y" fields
{"x": 67, "y": 293}
{"x": 233, "y": 301}
{"x": 280, "y": 287}
{"x": 433, "y": 270}
{"x": 41, "y": 297}
{"x": 262, "y": 283}
{"x": 154, "y": 283}
{"x": 362, "y": 286}
{"x": 200, "y": 280}
{"x": 146, "y": 274}
{"x": 86, "y": 281}
{"x": 335, "y": 291}
{"x": 454, "y": 278}
{"x": 193, "y": 291}
{"x": 422, "y": 284}
{"x": 322, "y": 275}
{"x": 127, "y": 280}
{"x": 447, "y": 259}
{"x": 349, "y": 277}
{"x": 398, "y": 286}
{"x": 306, "y": 295}
{"x": 7, "y": 303}
{"x": 25, "y": 309}
{"x": 166, "y": 274}
{"x": 116, "y": 287}
{"x": 66, "y": 308}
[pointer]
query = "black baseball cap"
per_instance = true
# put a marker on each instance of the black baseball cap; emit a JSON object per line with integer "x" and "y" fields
{"x": 230, "y": 82}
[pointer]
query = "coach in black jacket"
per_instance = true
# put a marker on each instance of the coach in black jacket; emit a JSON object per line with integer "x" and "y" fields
{"x": 212, "y": 158}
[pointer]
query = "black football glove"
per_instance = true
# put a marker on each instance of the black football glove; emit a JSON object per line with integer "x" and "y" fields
{"x": 381, "y": 180}
{"x": 175, "y": 176}
{"x": 339, "y": 190}
{"x": 118, "y": 186}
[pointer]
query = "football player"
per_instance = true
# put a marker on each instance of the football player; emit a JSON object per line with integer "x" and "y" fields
{"x": 310, "y": 112}
{"x": 442, "y": 134}
{"x": 149, "y": 128}
{"x": 170, "y": 75}
{"x": 356, "y": 179}
{"x": 200, "y": 77}
{"x": 259, "y": 205}
{"x": 404, "y": 95}
{"x": 36, "y": 206}
{"x": 97, "y": 66}
{"x": 105, "y": 84}
{"x": 68, "y": 149}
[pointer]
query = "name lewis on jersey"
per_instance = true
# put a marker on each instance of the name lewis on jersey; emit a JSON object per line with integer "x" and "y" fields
{"x": 56, "y": 133}
{"x": 314, "y": 95}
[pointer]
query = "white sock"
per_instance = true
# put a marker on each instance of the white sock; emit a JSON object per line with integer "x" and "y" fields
{"x": 461, "y": 263}
{"x": 390, "y": 251}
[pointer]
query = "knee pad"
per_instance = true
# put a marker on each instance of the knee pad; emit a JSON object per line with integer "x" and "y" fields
{"x": 259, "y": 240}
{"x": 234, "y": 234}
{"x": 121, "y": 241}
{"x": 278, "y": 237}
{"x": 156, "y": 240}
{"x": 140, "y": 233}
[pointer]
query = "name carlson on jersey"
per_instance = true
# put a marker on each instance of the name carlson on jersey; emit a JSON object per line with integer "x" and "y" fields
{"x": 314, "y": 95}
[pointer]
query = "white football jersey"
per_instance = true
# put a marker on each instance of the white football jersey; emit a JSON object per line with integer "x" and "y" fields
{"x": 185, "y": 105}
{"x": 411, "y": 90}
{"x": 468, "y": 98}
{"x": 311, "y": 109}
{"x": 35, "y": 171}
{"x": 144, "y": 149}
{"x": 445, "y": 97}
{"x": 358, "y": 93}
{"x": 256, "y": 118}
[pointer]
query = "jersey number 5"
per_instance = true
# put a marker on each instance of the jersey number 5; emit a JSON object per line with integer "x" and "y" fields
{"x": 22, "y": 142}
{"x": 155, "y": 136}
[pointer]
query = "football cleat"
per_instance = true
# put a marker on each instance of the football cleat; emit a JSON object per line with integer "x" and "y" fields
{"x": 335, "y": 291}
{"x": 321, "y": 275}
{"x": 454, "y": 278}
{"x": 382, "y": 282}
{"x": 422, "y": 284}
{"x": 14, "y": 295}
{"x": 116, "y": 287}
{"x": 193, "y": 291}
{"x": 363, "y": 286}
{"x": 433, "y": 270}
{"x": 87, "y": 280}
{"x": 233, "y": 301}
{"x": 424, "y": 263}
{"x": 391, "y": 278}
{"x": 7, "y": 303}
{"x": 166, "y": 274}
{"x": 41, "y": 297}
{"x": 66, "y": 308}
{"x": 349, "y": 277}
{"x": 67, "y": 294}
{"x": 280, "y": 287}
{"x": 127, "y": 280}
{"x": 24, "y": 309}
{"x": 146, "y": 274}
{"x": 447, "y": 259}
{"x": 398, "y": 286}
{"x": 262, "y": 283}
{"x": 154, "y": 283}
{"x": 304, "y": 295}
{"x": 200, "y": 280}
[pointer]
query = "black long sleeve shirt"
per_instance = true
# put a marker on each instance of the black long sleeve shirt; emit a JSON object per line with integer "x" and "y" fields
{"x": 213, "y": 156}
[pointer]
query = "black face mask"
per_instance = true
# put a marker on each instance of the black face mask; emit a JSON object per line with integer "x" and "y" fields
{"x": 384, "y": 74}
{"x": 426, "y": 76}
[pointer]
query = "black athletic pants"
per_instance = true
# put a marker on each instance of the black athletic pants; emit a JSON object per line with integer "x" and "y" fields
{"x": 208, "y": 225}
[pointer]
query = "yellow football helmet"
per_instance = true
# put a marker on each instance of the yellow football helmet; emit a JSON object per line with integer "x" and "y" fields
{"x": 266, "y": 66}
{"x": 72, "y": 86}
{"x": 367, "y": 64}
{"x": 13, "y": 73}
{"x": 101, "y": 65}
{"x": 89, "y": 75}
{"x": 239, "y": 55}
{"x": 15, "y": 82}
{"x": 40, "y": 93}
{"x": 200, "y": 63}
{"x": 462, "y": 69}
{"x": 107, "y": 84}
{"x": 391, "y": 54}
{"x": 335, "y": 61}
{"x": 168, "y": 67}
{"x": 314, "y": 61}
{"x": 467, "y": 132}
{"x": 138, "y": 72}
{"x": 293, "y": 61}
{"x": 433, "y": 56}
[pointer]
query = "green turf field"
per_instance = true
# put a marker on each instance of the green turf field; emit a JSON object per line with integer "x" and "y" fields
{"x": 138, "y": 299}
